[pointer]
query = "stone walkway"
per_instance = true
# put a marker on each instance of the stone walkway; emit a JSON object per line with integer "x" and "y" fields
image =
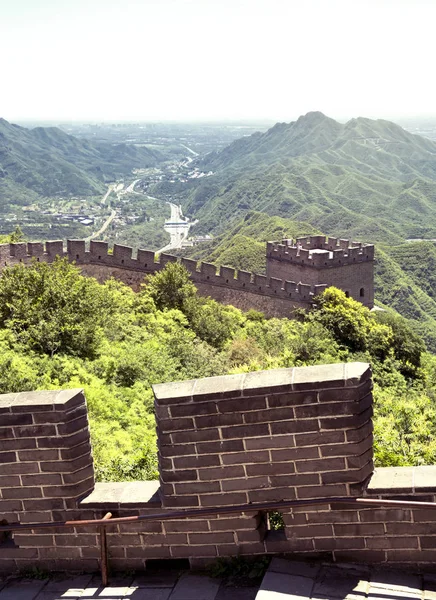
{"x": 284, "y": 580}
{"x": 159, "y": 586}
{"x": 291, "y": 580}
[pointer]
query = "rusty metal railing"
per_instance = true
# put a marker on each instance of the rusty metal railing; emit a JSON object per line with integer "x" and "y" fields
{"x": 171, "y": 515}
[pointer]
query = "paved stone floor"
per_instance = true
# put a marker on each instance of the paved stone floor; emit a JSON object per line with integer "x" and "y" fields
{"x": 159, "y": 586}
{"x": 290, "y": 580}
{"x": 284, "y": 580}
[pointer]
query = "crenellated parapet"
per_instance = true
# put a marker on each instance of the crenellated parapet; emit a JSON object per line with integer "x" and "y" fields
{"x": 147, "y": 262}
{"x": 320, "y": 252}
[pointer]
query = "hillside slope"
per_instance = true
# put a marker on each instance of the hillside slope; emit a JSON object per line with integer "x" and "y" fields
{"x": 46, "y": 161}
{"x": 368, "y": 178}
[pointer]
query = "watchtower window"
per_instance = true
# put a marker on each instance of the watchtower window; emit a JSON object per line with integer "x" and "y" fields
{"x": 362, "y": 292}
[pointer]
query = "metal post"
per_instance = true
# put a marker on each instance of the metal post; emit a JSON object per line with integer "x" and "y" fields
{"x": 103, "y": 548}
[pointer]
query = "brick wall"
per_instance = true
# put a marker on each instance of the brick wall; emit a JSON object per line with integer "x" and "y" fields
{"x": 46, "y": 468}
{"x": 285, "y": 434}
{"x": 277, "y": 295}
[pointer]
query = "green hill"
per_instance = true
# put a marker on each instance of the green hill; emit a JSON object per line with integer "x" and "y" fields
{"x": 45, "y": 161}
{"x": 369, "y": 179}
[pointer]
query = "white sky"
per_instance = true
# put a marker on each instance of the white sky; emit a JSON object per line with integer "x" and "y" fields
{"x": 216, "y": 59}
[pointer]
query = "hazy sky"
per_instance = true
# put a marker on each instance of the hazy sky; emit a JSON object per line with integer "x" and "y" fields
{"x": 216, "y": 59}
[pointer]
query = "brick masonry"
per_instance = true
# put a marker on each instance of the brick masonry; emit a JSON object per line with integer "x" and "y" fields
{"x": 292, "y": 281}
{"x": 275, "y": 435}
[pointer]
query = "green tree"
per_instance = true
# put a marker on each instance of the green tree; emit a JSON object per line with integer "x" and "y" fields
{"x": 51, "y": 308}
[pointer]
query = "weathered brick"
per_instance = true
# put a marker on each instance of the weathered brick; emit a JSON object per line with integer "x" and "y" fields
{"x": 295, "y": 480}
{"x": 296, "y": 426}
{"x": 35, "y": 431}
{"x": 73, "y": 426}
{"x": 41, "y": 479}
{"x": 194, "y": 409}
{"x": 272, "y": 468}
{"x": 182, "y": 501}
{"x": 240, "y": 405}
{"x": 273, "y": 494}
{"x": 387, "y": 543}
{"x": 292, "y": 399}
{"x": 346, "y": 422}
{"x": 385, "y": 515}
{"x": 341, "y": 394}
{"x": 182, "y": 450}
{"x": 245, "y": 457}
{"x": 11, "y": 420}
{"x": 218, "y": 420}
{"x": 252, "y": 483}
{"x": 37, "y": 455}
{"x": 202, "y": 487}
{"x": 324, "y": 410}
{"x": 180, "y": 424}
{"x": 14, "y": 444}
{"x": 196, "y": 435}
{"x": 227, "y": 472}
{"x": 267, "y": 443}
{"x": 368, "y": 556}
{"x": 339, "y": 543}
{"x": 320, "y": 438}
{"x": 75, "y": 451}
{"x": 224, "y": 499}
{"x": 245, "y": 431}
{"x": 182, "y": 475}
{"x": 216, "y": 537}
{"x": 28, "y": 540}
{"x": 295, "y": 454}
{"x": 269, "y": 415}
{"x": 186, "y": 525}
{"x": 189, "y": 462}
{"x": 186, "y": 551}
{"x": 8, "y": 457}
{"x": 347, "y": 449}
{"x": 356, "y": 462}
{"x": 358, "y": 529}
{"x": 20, "y": 493}
{"x": 9, "y": 481}
{"x": 220, "y": 447}
{"x": 320, "y": 491}
{"x": 320, "y": 465}
{"x": 19, "y": 468}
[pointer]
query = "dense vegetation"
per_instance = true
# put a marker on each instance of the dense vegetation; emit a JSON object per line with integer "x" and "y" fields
{"x": 59, "y": 329}
{"x": 366, "y": 179}
{"x": 46, "y": 161}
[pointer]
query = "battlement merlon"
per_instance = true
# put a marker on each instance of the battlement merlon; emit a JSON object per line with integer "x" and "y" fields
{"x": 320, "y": 252}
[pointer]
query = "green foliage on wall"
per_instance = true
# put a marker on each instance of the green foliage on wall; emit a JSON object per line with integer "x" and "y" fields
{"x": 61, "y": 330}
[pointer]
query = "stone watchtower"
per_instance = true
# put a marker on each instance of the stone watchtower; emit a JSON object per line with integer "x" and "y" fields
{"x": 319, "y": 260}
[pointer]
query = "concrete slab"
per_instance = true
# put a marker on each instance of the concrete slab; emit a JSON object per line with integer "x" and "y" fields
{"x": 294, "y": 567}
{"x": 151, "y": 594}
{"x": 396, "y": 580}
{"x": 195, "y": 587}
{"x": 24, "y": 590}
{"x": 162, "y": 579}
{"x": 64, "y": 584}
{"x": 285, "y": 586}
{"x": 237, "y": 593}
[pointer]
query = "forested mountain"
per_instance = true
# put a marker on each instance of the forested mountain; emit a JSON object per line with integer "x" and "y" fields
{"x": 367, "y": 179}
{"x": 46, "y": 161}
{"x": 405, "y": 275}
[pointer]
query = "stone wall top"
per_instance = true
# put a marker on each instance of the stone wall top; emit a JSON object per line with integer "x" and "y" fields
{"x": 257, "y": 382}
{"x": 46, "y": 400}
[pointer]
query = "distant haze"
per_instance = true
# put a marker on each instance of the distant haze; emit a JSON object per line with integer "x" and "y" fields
{"x": 216, "y": 59}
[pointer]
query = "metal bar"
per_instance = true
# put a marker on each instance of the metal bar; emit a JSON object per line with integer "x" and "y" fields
{"x": 222, "y": 510}
{"x": 103, "y": 549}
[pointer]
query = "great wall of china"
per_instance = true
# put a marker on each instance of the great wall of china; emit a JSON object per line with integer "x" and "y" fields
{"x": 296, "y": 271}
